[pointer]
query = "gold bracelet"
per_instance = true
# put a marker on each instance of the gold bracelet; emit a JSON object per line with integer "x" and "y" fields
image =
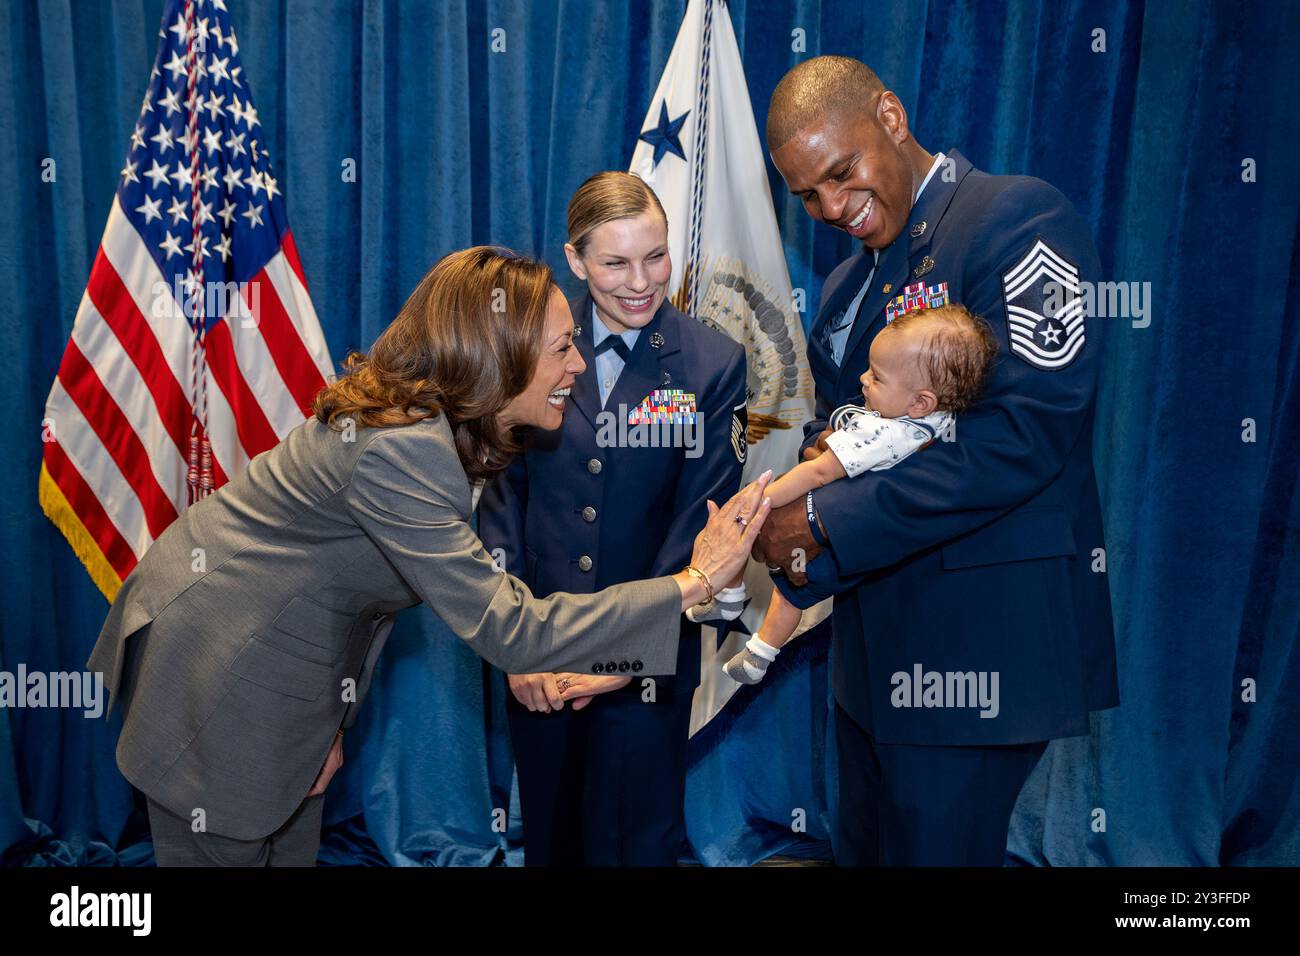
{"x": 695, "y": 572}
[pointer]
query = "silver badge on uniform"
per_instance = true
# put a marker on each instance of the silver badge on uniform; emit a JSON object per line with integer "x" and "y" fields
{"x": 1044, "y": 311}
{"x": 739, "y": 421}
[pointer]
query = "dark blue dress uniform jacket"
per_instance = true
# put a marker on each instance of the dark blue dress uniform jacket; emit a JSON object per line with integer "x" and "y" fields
{"x": 573, "y": 516}
{"x": 975, "y": 554}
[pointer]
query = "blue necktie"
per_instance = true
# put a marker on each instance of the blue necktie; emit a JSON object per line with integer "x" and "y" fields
{"x": 839, "y": 324}
{"x": 616, "y": 343}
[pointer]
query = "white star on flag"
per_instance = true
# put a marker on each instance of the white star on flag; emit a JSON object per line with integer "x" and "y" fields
{"x": 150, "y": 209}
{"x": 177, "y": 65}
{"x": 227, "y": 213}
{"x": 170, "y": 102}
{"x": 253, "y": 214}
{"x": 211, "y": 140}
{"x": 157, "y": 174}
{"x": 163, "y": 138}
{"x": 172, "y": 245}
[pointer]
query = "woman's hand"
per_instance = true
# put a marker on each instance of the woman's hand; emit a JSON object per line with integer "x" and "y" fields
{"x": 333, "y": 760}
{"x": 537, "y": 692}
{"x": 723, "y": 546}
{"x": 581, "y": 688}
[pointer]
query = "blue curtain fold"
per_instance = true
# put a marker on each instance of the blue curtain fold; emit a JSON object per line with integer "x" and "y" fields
{"x": 470, "y": 122}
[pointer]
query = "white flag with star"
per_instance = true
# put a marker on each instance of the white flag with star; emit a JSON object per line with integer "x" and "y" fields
{"x": 699, "y": 150}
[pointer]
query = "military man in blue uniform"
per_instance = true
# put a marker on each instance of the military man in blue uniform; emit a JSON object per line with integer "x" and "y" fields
{"x": 972, "y": 618}
{"x": 617, "y": 493}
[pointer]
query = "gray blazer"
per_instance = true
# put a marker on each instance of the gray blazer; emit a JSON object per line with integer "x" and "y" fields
{"x": 267, "y": 604}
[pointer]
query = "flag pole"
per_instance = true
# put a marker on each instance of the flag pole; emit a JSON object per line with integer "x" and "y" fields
{"x": 691, "y": 272}
{"x": 199, "y": 476}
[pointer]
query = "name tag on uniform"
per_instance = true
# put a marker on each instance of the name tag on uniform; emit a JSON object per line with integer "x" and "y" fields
{"x": 664, "y": 406}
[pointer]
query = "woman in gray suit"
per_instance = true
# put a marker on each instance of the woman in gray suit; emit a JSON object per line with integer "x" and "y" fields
{"x": 243, "y": 643}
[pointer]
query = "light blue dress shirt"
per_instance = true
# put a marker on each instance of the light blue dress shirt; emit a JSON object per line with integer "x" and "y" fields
{"x": 608, "y": 364}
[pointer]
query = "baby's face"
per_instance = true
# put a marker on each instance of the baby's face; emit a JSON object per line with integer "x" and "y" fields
{"x": 892, "y": 378}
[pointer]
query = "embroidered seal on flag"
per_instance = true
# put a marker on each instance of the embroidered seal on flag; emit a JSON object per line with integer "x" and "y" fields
{"x": 1044, "y": 309}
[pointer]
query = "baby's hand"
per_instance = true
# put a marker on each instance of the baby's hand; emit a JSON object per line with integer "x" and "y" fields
{"x": 812, "y": 451}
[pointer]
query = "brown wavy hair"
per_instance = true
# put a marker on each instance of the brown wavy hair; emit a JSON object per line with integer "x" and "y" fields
{"x": 465, "y": 343}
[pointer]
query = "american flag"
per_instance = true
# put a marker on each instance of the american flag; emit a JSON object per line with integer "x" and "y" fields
{"x": 195, "y": 346}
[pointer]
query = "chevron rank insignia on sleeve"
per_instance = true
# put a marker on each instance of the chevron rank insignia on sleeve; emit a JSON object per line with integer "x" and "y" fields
{"x": 1044, "y": 309}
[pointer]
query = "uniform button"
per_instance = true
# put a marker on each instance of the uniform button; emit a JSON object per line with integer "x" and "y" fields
{"x": 623, "y": 666}
{"x": 589, "y": 514}
{"x": 584, "y": 563}
{"x": 598, "y": 668}
{"x": 637, "y": 665}
{"x": 594, "y": 466}
{"x": 611, "y": 667}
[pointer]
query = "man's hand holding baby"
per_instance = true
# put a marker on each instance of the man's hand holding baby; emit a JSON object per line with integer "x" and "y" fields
{"x": 786, "y": 537}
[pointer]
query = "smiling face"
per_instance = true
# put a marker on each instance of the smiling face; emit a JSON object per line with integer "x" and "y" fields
{"x": 542, "y": 403}
{"x": 856, "y": 171}
{"x": 626, "y": 266}
{"x": 893, "y": 384}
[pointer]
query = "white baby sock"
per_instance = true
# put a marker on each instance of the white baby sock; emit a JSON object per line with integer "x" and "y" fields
{"x": 750, "y": 665}
{"x": 727, "y": 606}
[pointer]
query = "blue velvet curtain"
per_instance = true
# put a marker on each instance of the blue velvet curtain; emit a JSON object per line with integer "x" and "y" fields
{"x": 455, "y": 144}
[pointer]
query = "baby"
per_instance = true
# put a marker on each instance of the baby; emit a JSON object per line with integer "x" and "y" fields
{"x": 925, "y": 368}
